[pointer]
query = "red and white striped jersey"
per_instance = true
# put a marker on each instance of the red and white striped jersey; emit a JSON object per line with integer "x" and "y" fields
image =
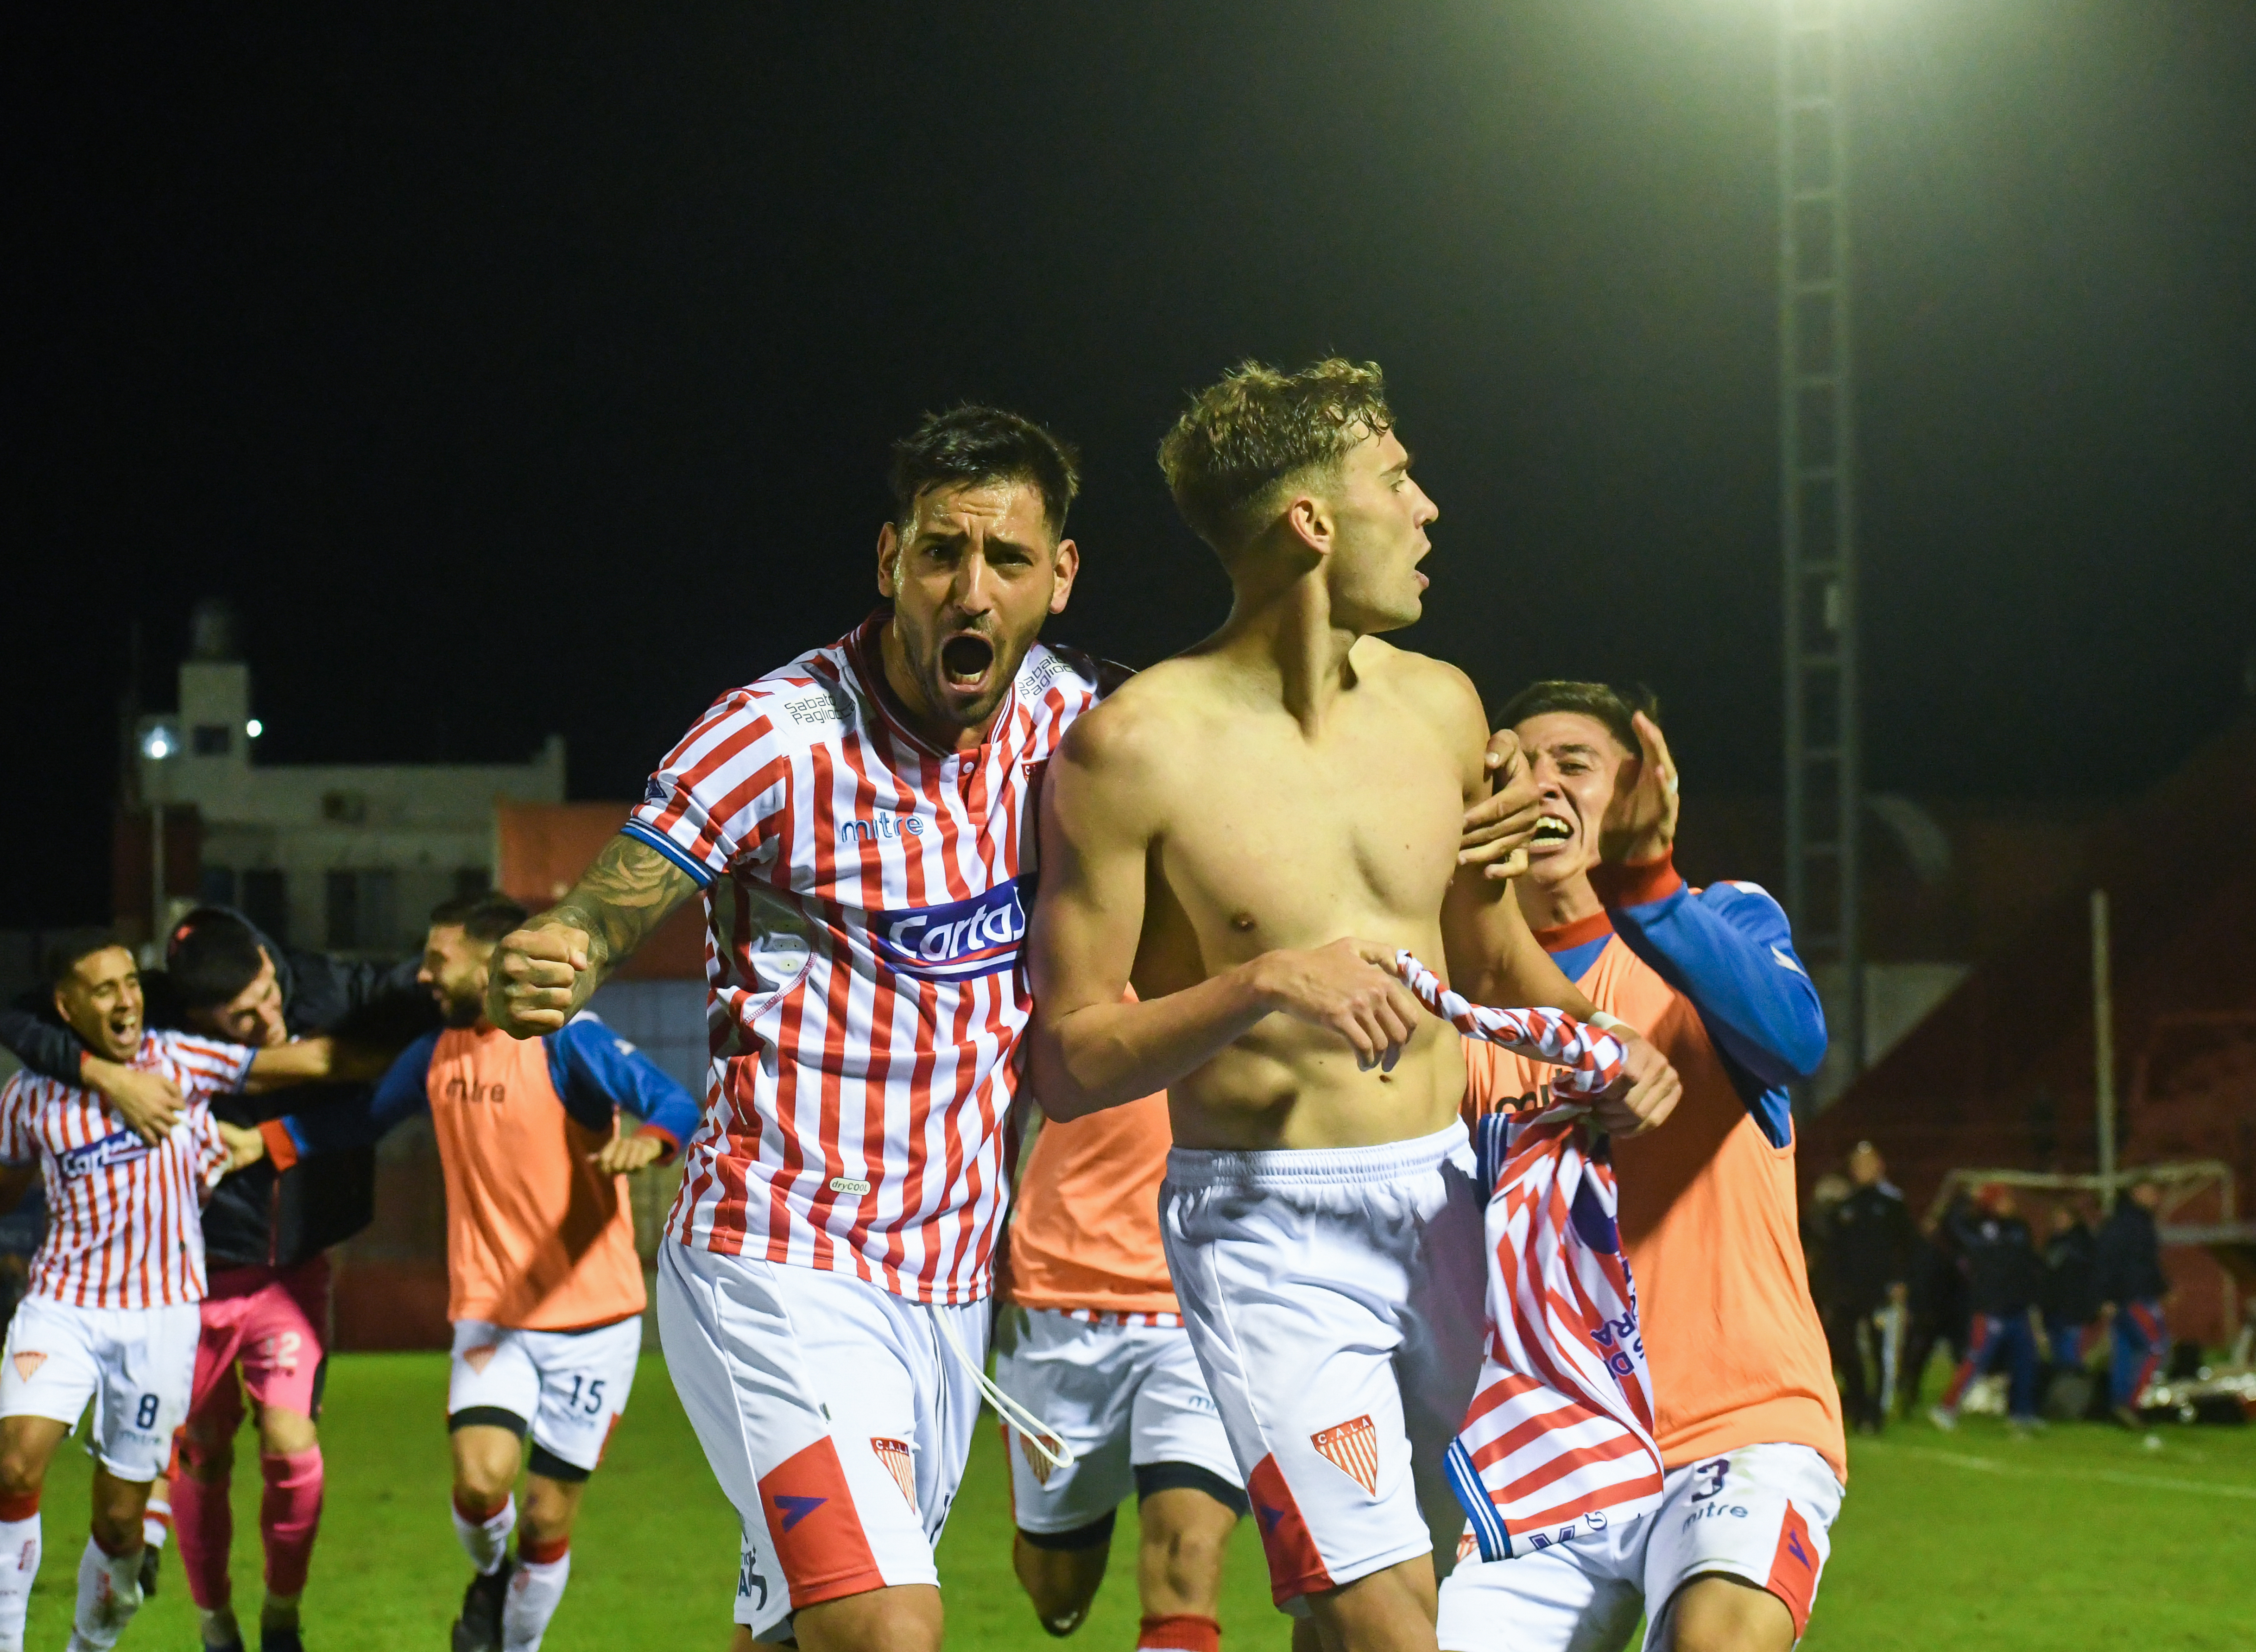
{"x": 863, "y": 911}
{"x": 124, "y": 1219}
{"x": 1558, "y": 1440}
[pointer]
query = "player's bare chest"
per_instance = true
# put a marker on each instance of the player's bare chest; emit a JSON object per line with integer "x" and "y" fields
{"x": 1278, "y": 821}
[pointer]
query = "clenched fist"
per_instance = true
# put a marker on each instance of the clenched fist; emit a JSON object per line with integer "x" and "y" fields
{"x": 537, "y": 979}
{"x": 1646, "y": 1092}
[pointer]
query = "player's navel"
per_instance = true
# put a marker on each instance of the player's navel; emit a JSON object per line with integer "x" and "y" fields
{"x": 1241, "y": 921}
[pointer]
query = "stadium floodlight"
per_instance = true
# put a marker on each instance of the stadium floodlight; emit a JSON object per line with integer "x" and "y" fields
{"x": 254, "y": 728}
{"x": 159, "y": 744}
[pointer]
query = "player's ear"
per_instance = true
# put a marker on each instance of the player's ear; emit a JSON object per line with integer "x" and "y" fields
{"x": 1309, "y": 520}
{"x": 1066, "y": 560}
{"x": 889, "y": 561}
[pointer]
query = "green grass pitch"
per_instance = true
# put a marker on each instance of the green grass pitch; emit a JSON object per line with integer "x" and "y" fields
{"x": 2081, "y": 1538}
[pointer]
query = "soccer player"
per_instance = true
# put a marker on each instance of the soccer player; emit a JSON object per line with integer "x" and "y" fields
{"x": 266, "y": 1313}
{"x": 855, "y": 822}
{"x": 2003, "y": 1279}
{"x": 1100, "y": 1354}
{"x": 109, "y": 1315}
{"x": 544, "y": 1287}
{"x": 1251, "y": 830}
{"x": 1746, "y": 1413}
{"x": 2133, "y": 1289}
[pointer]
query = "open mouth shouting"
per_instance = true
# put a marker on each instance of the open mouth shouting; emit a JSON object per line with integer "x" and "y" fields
{"x": 1554, "y": 832}
{"x": 967, "y": 665}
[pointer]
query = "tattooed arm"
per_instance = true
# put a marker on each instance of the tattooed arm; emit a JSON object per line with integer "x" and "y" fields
{"x": 543, "y": 975}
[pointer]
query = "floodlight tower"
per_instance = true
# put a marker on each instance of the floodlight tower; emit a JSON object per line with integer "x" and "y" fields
{"x": 1818, "y": 496}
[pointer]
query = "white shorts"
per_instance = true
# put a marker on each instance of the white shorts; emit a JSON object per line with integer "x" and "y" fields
{"x": 1124, "y": 1397}
{"x": 138, "y": 1365}
{"x": 835, "y": 1418}
{"x": 1761, "y": 1513}
{"x": 1335, "y": 1297}
{"x": 568, "y": 1388}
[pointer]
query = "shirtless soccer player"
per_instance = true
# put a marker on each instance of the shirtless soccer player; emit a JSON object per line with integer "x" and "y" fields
{"x": 1249, "y": 830}
{"x": 1745, "y": 1408}
{"x": 854, "y": 821}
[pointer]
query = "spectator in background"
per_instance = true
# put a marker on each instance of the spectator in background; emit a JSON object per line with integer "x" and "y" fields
{"x": 2132, "y": 1289}
{"x": 1938, "y": 1304}
{"x": 2071, "y": 1294}
{"x": 1870, "y": 1247}
{"x": 2002, "y": 1278}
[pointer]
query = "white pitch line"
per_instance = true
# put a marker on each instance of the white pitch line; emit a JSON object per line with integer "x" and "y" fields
{"x": 2106, "y": 1475}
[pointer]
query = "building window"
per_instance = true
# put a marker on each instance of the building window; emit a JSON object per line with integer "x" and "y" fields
{"x": 215, "y": 887}
{"x": 212, "y": 740}
{"x": 267, "y": 901}
{"x": 470, "y": 882}
{"x": 362, "y": 911}
{"x": 345, "y": 808}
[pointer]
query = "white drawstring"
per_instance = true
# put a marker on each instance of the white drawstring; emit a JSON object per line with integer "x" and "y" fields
{"x": 1036, "y": 1433}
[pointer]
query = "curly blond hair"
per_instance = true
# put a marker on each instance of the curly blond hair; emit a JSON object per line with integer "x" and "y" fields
{"x": 1244, "y": 437}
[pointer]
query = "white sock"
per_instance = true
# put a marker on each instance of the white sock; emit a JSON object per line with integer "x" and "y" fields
{"x": 534, "y": 1589}
{"x": 157, "y": 1523}
{"x": 109, "y": 1595}
{"x": 19, "y": 1563}
{"x": 219, "y": 1626}
{"x": 486, "y": 1541}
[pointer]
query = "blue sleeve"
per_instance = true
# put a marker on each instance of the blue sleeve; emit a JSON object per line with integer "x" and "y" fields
{"x": 1730, "y": 951}
{"x": 399, "y": 1096}
{"x": 595, "y": 1069}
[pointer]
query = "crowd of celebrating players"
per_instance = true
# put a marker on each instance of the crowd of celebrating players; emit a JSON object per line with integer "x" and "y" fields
{"x": 1311, "y": 1103}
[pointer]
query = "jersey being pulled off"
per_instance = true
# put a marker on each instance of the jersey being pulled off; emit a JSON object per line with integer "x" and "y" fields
{"x": 864, "y": 911}
{"x": 124, "y": 1219}
{"x": 1708, "y": 1212}
{"x": 1558, "y": 1440}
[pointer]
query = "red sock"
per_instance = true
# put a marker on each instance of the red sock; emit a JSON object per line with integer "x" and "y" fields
{"x": 1183, "y": 1631}
{"x": 546, "y": 1554}
{"x": 203, "y": 1526}
{"x": 289, "y": 1515}
{"x": 14, "y": 1507}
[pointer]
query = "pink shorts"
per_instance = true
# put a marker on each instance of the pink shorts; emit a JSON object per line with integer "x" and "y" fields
{"x": 275, "y": 1323}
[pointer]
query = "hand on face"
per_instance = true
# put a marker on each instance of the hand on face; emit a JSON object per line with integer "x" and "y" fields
{"x": 1641, "y": 823}
{"x": 1497, "y": 830}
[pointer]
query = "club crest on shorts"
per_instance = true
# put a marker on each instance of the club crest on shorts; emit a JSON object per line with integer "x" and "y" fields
{"x": 479, "y": 1358}
{"x": 27, "y": 1366}
{"x": 1039, "y": 1464}
{"x": 894, "y": 1454}
{"x": 1353, "y": 1448}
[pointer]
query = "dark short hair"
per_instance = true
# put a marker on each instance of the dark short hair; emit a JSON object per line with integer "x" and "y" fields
{"x": 211, "y": 955}
{"x": 1612, "y": 706}
{"x": 486, "y": 917}
{"x": 970, "y": 445}
{"x": 1253, "y": 428}
{"x": 64, "y": 952}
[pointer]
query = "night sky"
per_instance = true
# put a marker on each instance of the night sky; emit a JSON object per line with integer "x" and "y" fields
{"x": 521, "y": 369}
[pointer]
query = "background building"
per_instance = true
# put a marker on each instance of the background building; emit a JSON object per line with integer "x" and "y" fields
{"x": 344, "y": 857}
